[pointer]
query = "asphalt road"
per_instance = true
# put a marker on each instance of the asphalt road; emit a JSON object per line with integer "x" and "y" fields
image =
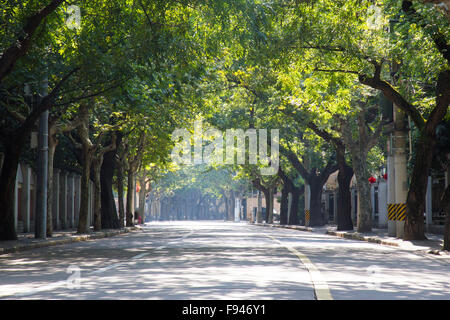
{"x": 222, "y": 260}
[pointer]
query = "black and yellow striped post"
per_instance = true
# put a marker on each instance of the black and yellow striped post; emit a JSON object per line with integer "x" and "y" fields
{"x": 391, "y": 212}
{"x": 397, "y": 211}
{"x": 401, "y": 212}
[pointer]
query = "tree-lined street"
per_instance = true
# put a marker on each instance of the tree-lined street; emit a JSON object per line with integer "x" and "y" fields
{"x": 197, "y": 132}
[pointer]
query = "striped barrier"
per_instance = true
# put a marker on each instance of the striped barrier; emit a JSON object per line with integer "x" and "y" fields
{"x": 397, "y": 211}
{"x": 391, "y": 213}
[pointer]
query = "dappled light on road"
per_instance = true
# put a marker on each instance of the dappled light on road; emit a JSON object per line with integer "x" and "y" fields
{"x": 220, "y": 260}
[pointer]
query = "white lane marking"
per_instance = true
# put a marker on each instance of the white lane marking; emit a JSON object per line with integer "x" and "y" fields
{"x": 187, "y": 235}
{"x": 115, "y": 265}
{"x": 32, "y": 291}
{"x": 139, "y": 255}
{"x": 321, "y": 288}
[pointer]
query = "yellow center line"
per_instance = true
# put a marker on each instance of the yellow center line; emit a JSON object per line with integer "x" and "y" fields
{"x": 321, "y": 289}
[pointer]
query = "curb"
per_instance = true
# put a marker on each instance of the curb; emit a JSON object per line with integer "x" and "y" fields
{"x": 293, "y": 227}
{"x": 67, "y": 239}
{"x": 352, "y": 236}
{"x": 300, "y": 228}
{"x": 356, "y": 236}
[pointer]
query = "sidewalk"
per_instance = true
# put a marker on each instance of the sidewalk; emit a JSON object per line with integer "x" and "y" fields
{"x": 26, "y": 241}
{"x": 431, "y": 246}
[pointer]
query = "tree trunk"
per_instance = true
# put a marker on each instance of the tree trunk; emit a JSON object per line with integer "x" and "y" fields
{"x": 446, "y": 205}
{"x": 293, "y": 217}
{"x": 344, "y": 201}
{"x": 216, "y": 213}
{"x": 96, "y": 167}
{"x": 120, "y": 193}
{"x": 130, "y": 205}
{"x": 266, "y": 193}
{"x": 7, "y": 188}
{"x": 199, "y": 207}
{"x": 269, "y": 205}
{"x": 289, "y": 211}
{"x": 23, "y": 43}
{"x": 141, "y": 211}
{"x": 161, "y": 210}
{"x": 108, "y": 206}
{"x": 52, "y": 143}
{"x": 231, "y": 206}
{"x": 83, "y": 223}
{"x": 316, "y": 214}
{"x": 259, "y": 209}
{"x": 190, "y": 213}
{"x": 179, "y": 209}
{"x": 226, "y": 207}
{"x": 415, "y": 201}
{"x": 364, "y": 217}
{"x": 447, "y": 229}
{"x": 284, "y": 204}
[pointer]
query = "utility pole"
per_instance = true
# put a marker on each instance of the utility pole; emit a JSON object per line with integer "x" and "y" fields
{"x": 388, "y": 114}
{"x": 400, "y": 162}
{"x": 42, "y": 171}
{"x": 396, "y": 173}
{"x": 397, "y": 162}
{"x": 392, "y": 230}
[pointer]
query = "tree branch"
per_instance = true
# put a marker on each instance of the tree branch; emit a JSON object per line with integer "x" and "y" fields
{"x": 109, "y": 147}
{"x": 329, "y": 169}
{"x": 75, "y": 143}
{"x": 337, "y": 70}
{"x": 395, "y": 97}
{"x": 438, "y": 38}
{"x": 373, "y": 139}
{"x": 65, "y": 127}
{"x": 16, "y": 115}
{"x": 21, "y": 46}
{"x": 296, "y": 163}
{"x": 92, "y": 95}
{"x": 258, "y": 185}
{"x": 45, "y": 103}
{"x": 325, "y": 135}
{"x": 442, "y": 102}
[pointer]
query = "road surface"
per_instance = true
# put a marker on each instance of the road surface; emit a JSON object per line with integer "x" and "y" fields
{"x": 222, "y": 260}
